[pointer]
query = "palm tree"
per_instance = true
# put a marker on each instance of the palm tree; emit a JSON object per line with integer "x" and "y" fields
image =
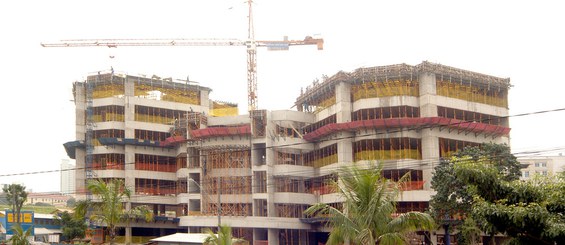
{"x": 16, "y": 195}
{"x": 108, "y": 208}
{"x": 369, "y": 204}
{"x": 20, "y": 237}
{"x": 224, "y": 237}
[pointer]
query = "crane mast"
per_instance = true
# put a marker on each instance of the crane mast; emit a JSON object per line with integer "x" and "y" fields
{"x": 251, "y": 44}
{"x": 251, "y": 62}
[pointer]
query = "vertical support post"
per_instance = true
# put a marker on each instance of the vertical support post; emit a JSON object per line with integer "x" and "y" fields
{"x": 447, "y": 237}
{"x": 128, "y": 227}
{"x": 219, "y": 203}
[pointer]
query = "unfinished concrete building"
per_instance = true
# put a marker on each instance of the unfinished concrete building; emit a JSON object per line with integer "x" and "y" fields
{"x": 199, "y": 161}
{"x": 124, "y": 131}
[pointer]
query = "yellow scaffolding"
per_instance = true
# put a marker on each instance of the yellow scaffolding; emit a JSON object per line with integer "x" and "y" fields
{"x": 221, "y": 109}
{"x": 484, "y": 94}
{"x": 158, "y": 115}
{"x": 321, "y": 157}
{"x": 385, "y": 88}
{"x": 387, "y": 149}
{"x": 107, "y": 90}
{"x": 167, "y": 94}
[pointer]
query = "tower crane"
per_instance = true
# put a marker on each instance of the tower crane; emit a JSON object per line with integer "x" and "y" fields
{"x": 250, "y": 43}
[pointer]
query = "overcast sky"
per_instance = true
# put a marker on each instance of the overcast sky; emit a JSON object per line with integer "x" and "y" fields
{"x": 521, "y": 40}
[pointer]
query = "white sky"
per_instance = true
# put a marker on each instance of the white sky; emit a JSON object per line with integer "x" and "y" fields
{"x": 522, "y": 40}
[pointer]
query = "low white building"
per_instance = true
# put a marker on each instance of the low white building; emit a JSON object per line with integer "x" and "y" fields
{"x": 541, "y": 165}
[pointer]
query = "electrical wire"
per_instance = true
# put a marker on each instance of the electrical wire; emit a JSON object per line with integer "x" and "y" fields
{"x": 237, "y": 188}
{"x": 411, "y": 163}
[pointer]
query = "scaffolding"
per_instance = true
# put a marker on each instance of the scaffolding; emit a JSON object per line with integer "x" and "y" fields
{"x": 466, "y": 90}
{"x": 386, "y": 88}
{"x": 287, "y": 132}
{"x": 108, "y": 113}
{"x": 158, "y": 90}
{"x": 259, "y": 123}
{"x": 291, "y": 184}
{"x": 151, "y": 135}
{"x": 108, "y": 161}
{"x": 402, "y": 80}
{"x": 386, "y": 112}
{"x": 288, "y": 210}
{"x": 106, "y": 85}
{"x": 387, "y": 149}
{"x": 260, "y": 185}
{"x": 290, "y": 158}
{"x": 155, "y": 163}
{"x": 219, "y": 167}
{"x": 323, "y": 184}
{"x": 321, "y": 157}
{"x": 222, "y": 109}
{"x": 109, "y": 133}
{"x": 449, "y": 146}
{"x": 415, "y": 179}
{"x": 158, "y": 115}
{"x": 314, "y": 126}
{"x": 155, "y": 187}
{"x": 471, "y": 116}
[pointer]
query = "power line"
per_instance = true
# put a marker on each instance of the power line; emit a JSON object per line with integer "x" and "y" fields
{"x": 415, "y": 163}
{"x": 238, "y": 186}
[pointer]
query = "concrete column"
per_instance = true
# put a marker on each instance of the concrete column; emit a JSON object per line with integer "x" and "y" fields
{"x": 128, "y": 227}
{"x": 343, "y": 102}
{"x": 205, "y": 99}
{"x": 271, "y": 212}
{"x": 427, "y": 99}
{"x": 130, "y": 167}
{"x": 343, "y": 114}
{"x": 430, "y": 155}
{"x": 430, "y": 141}
{"x": 80, "y": 110}
{"x": 273, "y": 235}
{"x": 80, "y": 174}
{"x": 270, "y": 162}
{"x": 80, "y": 134}
{"x": 129, "y": 109}
{"x": 129, "y": 87}
{"x": 345, "y": 147}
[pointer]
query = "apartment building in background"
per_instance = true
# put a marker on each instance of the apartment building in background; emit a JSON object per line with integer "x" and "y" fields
{"x": 67, "y": 177}
{"x": 541, "y": 165}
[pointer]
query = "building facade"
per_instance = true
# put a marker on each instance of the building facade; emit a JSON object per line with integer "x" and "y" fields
{"x": 54, "y": 199}
{"x": 198, "y": 161}
{"x": 541, "y": 165}
{"x": 67, "y": 177}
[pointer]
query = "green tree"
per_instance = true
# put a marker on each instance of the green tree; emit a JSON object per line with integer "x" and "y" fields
{"x": 71, "y": 226}
{"x": 369, "y": 202}
{"x": 108, "y": 207}
{"x": 498, "y": 155}
{"x": 16, "y": 195}
{"x": 530, "y": 212}
{"x": 20, "y": 237}
{"x": 71, "y": 202}
{"x": 453, "y": 199}
{"x": 224, "y": 237}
